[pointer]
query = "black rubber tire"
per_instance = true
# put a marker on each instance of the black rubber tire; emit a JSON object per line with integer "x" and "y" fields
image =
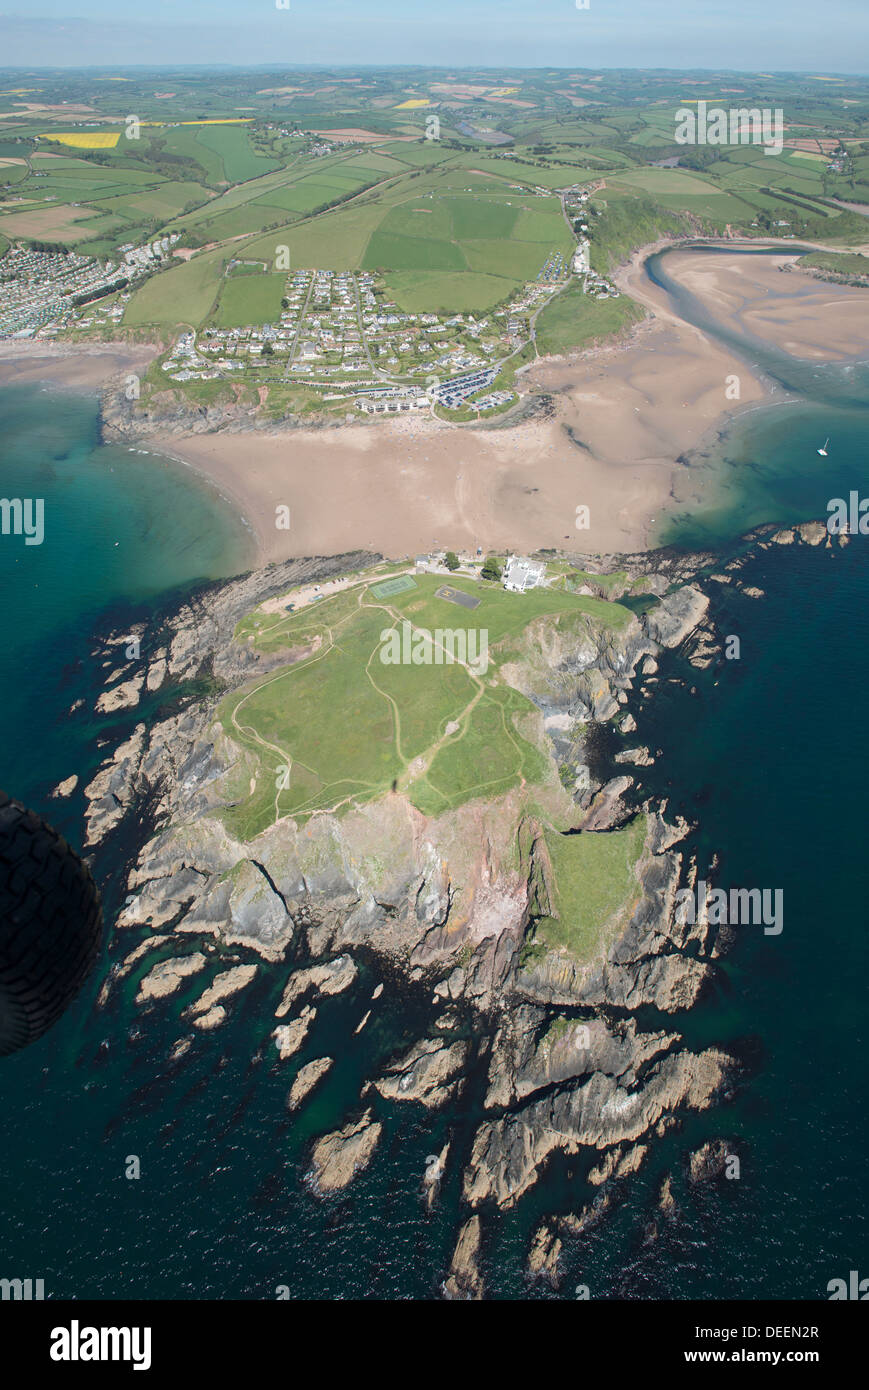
{"x": 50, "y": 925}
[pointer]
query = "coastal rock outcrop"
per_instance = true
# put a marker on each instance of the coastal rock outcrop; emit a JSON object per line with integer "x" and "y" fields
{"x": 464, "y": 1280}
{"x": 332, "y": 977}
{"x": 338, "y": 1157}
{"x": 544, "y": 1255}
{"x": 168, "y": 977}
{"x": 307, "y": 1078}
{"x": 427, "y": 1073}
{"x": 508, "y": 1153}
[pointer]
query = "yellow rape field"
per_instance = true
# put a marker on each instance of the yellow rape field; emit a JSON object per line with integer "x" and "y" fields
{"x": 406, "y": 105}
{"x": 86, "y": 139}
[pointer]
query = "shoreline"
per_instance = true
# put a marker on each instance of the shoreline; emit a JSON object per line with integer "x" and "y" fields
{"x": 626, "y": 418}
{"x": 86, "y": 366}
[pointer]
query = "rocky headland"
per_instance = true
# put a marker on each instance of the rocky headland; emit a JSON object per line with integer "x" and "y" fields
{"x": 551, "y": 1049}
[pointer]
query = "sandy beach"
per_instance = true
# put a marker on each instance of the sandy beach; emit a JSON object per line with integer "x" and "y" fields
{"x": 79, "y": 366}
{"x": 788, "y": 308}
{"x": 405, "y": 487}
{"x": 624, "y": 415}
{"x": 622, "y": 419}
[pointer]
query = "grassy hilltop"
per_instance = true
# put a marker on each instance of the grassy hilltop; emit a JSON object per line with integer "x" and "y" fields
{"x": 445, "y": 737}
{"x": 308, "y": 714}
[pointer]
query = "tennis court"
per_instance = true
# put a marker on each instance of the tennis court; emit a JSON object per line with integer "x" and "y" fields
{"x": 388, "y": 587}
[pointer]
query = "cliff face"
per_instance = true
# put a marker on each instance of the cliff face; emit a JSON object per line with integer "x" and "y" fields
{"x": 169, "y": 412}
{"x": 452, "y": 902}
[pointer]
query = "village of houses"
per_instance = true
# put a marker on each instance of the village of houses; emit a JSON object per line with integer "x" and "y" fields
{"x": 337, "y": 332}
{"x": 44, "y": 292}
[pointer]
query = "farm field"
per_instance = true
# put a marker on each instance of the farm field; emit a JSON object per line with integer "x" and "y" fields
{"x": 342, "y": 173}
{"x": 161, "y": 203}
{"x": 184, "y": 294}
{"x": 461, "y": 291}
{"x": 232, "y": 146}
{"x": 61, "y": 223}
{"x": 426, "y": 245}
{"x": 249, "y": 299}
{"x": 680, "y": 191}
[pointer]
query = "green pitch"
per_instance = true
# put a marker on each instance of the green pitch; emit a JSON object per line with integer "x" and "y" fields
{"x": 393, "y": 586}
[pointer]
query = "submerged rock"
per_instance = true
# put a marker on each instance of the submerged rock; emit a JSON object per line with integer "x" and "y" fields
{"x": 435, "y": 1166}
{"x": 709, "y": 1161}
{"x": 331, "y": 978}
{"x": 124, "y": 696}
{"x": 211, "y": 1019}
{"x": 65, "y": 788}
{"x": 544, "y": 1255}
{"x": 223, "y": 986}
{"x": 290, "y": 1036}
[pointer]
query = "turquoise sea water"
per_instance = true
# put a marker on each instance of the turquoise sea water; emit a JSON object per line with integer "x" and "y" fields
{"x": 122, "y": 530}
{"x": 766, "y": 753}
{"x": 765, "y": 467}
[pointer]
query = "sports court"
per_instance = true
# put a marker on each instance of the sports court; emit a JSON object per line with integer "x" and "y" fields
{"x": 393, "y": 586}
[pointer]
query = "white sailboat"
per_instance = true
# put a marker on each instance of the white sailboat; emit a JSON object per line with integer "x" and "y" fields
{"x": 823, "y": 452}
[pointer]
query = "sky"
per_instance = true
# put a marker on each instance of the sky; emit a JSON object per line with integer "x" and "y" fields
{"x": 748, "y": 35}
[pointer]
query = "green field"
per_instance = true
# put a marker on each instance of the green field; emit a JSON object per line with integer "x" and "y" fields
{"x": 436, "y": 250}
{"x": 249, "y": 299}
{"x": 681, "y": 191}
{"x": 594, "y": 877}
{"x": 455, "y": 224}
{"x": 386, "y": 252}
{"x": 232, "y": 146}
{"x": 161, "y": 203}
{"x": 574, "y": 320}
{"x": 840, "y": 262}
{"x": 183, "y": 295}
{"x": 499, "y": 244}
{"x": 307, "y": 714}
